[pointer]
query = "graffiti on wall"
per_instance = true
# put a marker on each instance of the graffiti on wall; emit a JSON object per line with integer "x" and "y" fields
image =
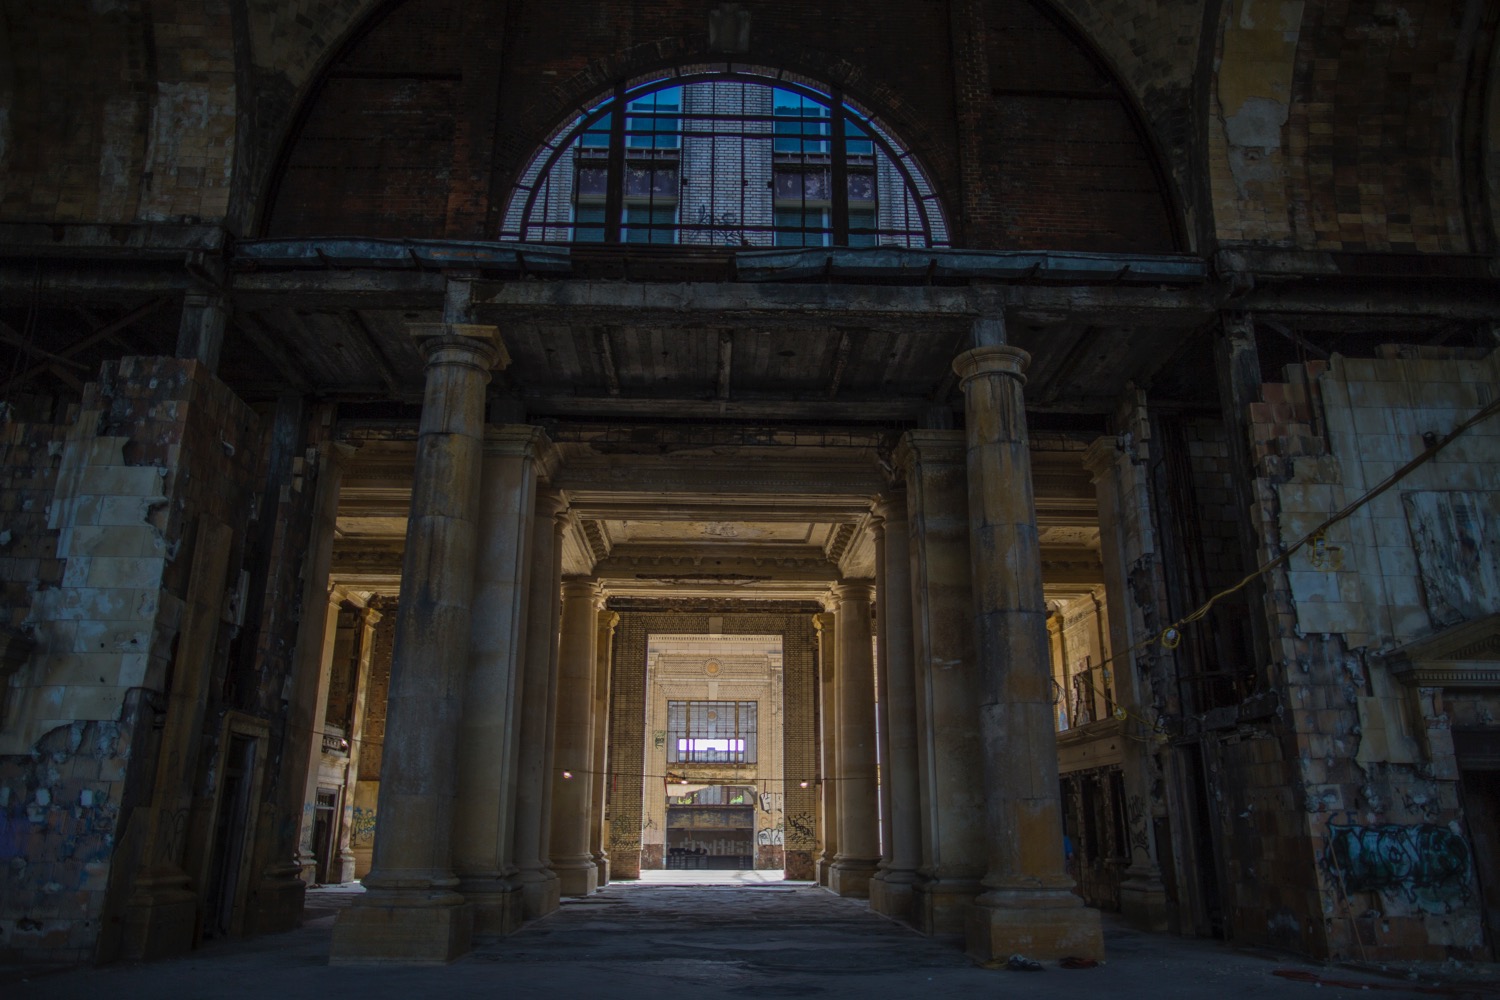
{"x": 1426, "y": 863}
{"x": 362, "y": 831}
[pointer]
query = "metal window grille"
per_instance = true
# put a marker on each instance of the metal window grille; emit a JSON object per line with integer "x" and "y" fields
{"x": 711, "y": 732}
{"x": 707, "y": 156}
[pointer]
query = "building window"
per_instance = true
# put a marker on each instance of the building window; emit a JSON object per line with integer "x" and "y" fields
{"x": 741, "y": 159}
{"x": 711, "y": 732}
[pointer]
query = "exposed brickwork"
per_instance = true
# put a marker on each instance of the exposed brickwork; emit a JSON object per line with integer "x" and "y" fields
{"x": 1320, "y": 440}
{"x": 159, "y": 446}
{"x": 1368, "y": 76}
{"x": 398, "y": 153}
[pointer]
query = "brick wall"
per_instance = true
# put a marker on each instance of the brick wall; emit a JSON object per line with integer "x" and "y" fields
{"x": 1359, "y": 780}
{"x": 387, "y": 154}
{"x": 157, "y": 446}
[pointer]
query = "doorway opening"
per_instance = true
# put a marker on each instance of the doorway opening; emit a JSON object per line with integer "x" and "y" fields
{"x": 711, "y": 827}
{"x": 713, "y": 795}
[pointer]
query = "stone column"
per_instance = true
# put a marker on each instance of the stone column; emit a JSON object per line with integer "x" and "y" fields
{"x": 828, "y": 803}
{"x": 1027, "y": 906}
{"x": 484, "y": 816}
{"x": 859, "y": 820}
{"x": 368, "y": 619}
{"x": 892, "y": 890}
{"x": 882, "y": 715}
{"x": 1143, "y": 896}
{"x": 572, "y": 856}
{"x": 948, "y": 745}
{"x": 307, "y": 859}
{"x": 604, "y": 642}
{"x": 539, "y": 889}
{"x": 410, "y": 911}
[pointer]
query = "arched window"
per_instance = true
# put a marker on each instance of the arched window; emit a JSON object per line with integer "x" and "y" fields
{"x": 711, "y": 156}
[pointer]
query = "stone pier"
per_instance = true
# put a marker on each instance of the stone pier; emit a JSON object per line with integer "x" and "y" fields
{"x": 893, "y": 888}
{"x": 859, "y": 819}
{"x": 571, "y": 851}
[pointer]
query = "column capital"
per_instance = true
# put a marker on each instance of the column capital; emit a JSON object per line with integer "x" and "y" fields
{"x": 1099, "y": 457}
{"x": 822, "y": 621}
{"x": 994, "y": 360}
{"x": 550, "y": 503}
{"x": 927, "y": 446}
{"x": 460, "y": 343}
{"x": 580, "y": 586}
{"x": 891, "y": 505}
{"x": 519, "y": 440}
{"x": 854, "y": 590}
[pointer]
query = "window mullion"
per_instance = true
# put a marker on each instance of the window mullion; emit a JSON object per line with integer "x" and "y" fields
{"x": 614, "y": 197}
{"x": 838, "y": 146}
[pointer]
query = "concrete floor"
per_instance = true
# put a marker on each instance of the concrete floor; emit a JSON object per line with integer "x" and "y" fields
{"x": 700, "y": 942}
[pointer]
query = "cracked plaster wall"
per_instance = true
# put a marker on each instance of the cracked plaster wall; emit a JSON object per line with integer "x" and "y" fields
{"x": 1372, "y": 761}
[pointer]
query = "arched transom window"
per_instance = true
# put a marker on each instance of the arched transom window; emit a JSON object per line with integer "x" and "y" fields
{"x": 717, "y": 157}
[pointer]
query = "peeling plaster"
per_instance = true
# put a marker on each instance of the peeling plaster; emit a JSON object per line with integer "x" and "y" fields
{"x": 1256, "y": 63}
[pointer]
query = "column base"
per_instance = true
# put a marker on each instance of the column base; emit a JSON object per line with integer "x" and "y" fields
{"x": 276, "y": 903}
{"x": 377, "y": 933}
{"x": 601, "y": 862}
{"x": 160, "y": 918}
{"x": 1144, "y": 906}
{"x": 823, "y": 870}
{"x": 851, "y": 876}
{"x": 941, "y": 905}
{"x": 1042, "y": 933}
{"x": 540, "y": 894}
{"x": 496, "y": 903}
{"x": 894, "y": 894}
{"x": 579, "y": 880}
{"x": 342, "y": 869}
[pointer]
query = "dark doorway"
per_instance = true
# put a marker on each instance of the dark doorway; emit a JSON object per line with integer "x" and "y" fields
{"x": 712, "y": 827}
{"x": 324, "y": 830}
{"x": 231, "y": 826}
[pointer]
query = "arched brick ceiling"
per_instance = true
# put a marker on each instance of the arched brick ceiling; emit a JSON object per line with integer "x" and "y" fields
{"x": 1379, "y": 87}
{"x": 400, "y": 136}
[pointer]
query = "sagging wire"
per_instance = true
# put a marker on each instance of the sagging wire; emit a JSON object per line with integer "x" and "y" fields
{"x": 1170, "y": 637}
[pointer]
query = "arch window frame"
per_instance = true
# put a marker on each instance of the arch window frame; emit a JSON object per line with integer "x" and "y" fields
{"x": 624, "y": 189}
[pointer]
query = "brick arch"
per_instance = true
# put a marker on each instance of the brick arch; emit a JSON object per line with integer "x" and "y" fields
{"x": 421, "y": 124}
{"x": 596, "y": 84}
{"x": 596, "y": 81}
{"x": 1373, "y": 161}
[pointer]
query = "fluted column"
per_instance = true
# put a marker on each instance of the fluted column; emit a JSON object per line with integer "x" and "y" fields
{"x": 604, "y": 643}
{"x": 410, "y": 911}
{"x": 571, "y": 850}
{"x": 901, "y": 814}
{"x": 1027, "y": 905}
{"x": 859, "y": 820}
{"x": 828, "y": 738}
{"x": 539, "y": 888}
